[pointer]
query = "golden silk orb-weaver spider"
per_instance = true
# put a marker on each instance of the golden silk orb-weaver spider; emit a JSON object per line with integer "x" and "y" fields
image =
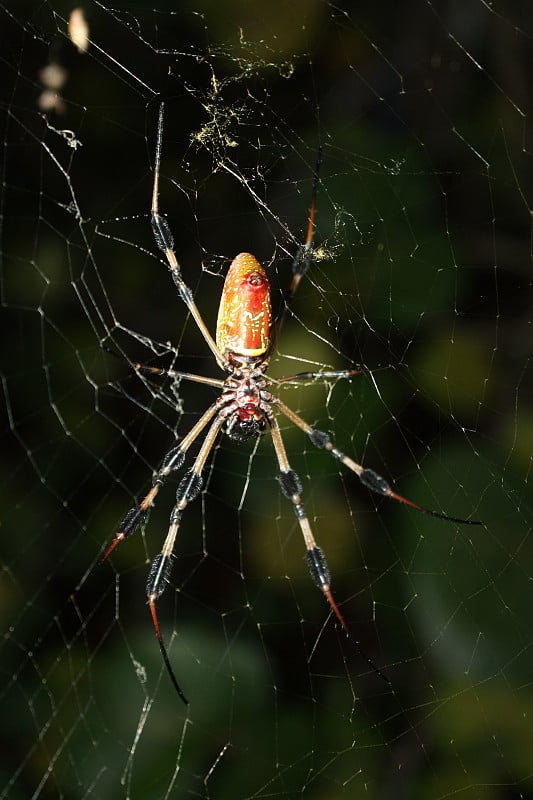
{"x": 245, "y": 407}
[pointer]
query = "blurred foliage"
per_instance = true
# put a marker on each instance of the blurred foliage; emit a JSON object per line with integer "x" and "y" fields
{"x": 422, "y": 278}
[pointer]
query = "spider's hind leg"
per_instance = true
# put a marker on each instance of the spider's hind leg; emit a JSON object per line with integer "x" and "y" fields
{"x": 376, "y": 483}
{"x": 172, "y": 461}
{"x": 189, "y": 488}
{"x": 291, "y": 487}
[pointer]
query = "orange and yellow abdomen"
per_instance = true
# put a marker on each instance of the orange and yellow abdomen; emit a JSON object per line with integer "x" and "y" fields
{"x": 244, "y": 314}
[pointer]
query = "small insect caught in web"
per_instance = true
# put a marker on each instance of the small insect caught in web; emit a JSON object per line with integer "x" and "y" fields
{"x": 245, "y": 407}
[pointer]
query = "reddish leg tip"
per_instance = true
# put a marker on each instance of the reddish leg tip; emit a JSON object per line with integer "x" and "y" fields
{"x": 151, "y": 602}
{"x": 117, "y": 540}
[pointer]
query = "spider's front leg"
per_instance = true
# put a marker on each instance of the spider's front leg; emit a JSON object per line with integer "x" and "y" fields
{"x": 165, "y": 241}
{"x": 302, "y": 260}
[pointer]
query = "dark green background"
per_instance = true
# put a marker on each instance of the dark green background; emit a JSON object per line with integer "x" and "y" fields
{"x": 424, "y": 280}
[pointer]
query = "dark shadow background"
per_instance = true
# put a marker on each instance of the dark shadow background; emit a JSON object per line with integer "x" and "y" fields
{"x": 424, "y": 279}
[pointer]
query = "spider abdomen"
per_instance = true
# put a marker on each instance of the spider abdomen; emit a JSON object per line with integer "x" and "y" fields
{"x": 244, "y": 314}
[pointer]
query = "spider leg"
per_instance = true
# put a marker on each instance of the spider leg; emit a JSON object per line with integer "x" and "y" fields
{"x": 368, "y": 477}
{"x": 169, "y": 373}
{"x": 189, "y": 488}
{"x": 165, "y": 242}
{"x": 317, "y": 376}
{"x": 316, "y": 561}
{"x": 172, "y": 461}
{"x": 174, "y": 373}
{"x": 302, "y": 259}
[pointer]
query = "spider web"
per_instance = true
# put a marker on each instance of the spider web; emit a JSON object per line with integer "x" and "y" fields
{"x": 421, "y": 276}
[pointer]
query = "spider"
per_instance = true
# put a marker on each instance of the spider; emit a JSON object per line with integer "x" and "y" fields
{"x": 245, "y": 407}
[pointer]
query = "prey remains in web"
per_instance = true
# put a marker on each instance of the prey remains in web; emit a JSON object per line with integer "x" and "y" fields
{"x": 244, "y": 408}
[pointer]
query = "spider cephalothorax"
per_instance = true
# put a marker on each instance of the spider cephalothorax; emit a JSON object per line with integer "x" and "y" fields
{"x": 244, "y": 407}
{"x": 245, "y": 400}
